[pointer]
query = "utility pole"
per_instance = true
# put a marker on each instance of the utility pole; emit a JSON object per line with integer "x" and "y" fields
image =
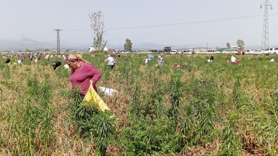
{"x": 207, "y": 46}
{"x": 265, "y": 36}
{"x": 58, "y": 39}
{"x": 22, "y": 40}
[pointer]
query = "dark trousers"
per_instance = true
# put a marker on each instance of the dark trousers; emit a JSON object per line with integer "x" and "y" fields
{"x": 111, "y": 66}
{"x": 81, "y": 97}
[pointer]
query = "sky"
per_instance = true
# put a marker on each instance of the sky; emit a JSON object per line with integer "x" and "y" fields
{"x": 167, "y": 22}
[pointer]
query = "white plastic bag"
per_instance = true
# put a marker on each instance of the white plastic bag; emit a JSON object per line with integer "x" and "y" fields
{"x": 107, "y": 91}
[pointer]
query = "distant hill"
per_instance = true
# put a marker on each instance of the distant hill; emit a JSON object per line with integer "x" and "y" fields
{"x": 7, "y": 45}
{"x": 33, "y": 44}
{"x": 145, "y": 46}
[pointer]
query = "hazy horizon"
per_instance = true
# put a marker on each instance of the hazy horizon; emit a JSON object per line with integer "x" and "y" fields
{"x": 173, "y": 23}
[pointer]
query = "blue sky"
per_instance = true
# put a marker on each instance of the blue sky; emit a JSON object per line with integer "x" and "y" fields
{"x": 169, "y": 22}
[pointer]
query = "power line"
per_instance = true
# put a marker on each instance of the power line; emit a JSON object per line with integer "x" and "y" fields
{"x": 215, "y": 10}
{"x": 175, "y": 24}
{"x": 184, "y": 23}
{"x": 23, "y": 43}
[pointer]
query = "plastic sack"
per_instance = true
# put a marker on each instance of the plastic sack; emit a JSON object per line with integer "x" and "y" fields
{"x": 92, "y": 96}
{"x": 107, "y": 91}
{"x": 66, "y": 66}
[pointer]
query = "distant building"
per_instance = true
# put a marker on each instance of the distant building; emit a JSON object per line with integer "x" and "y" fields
{"x": 93, "y": 49}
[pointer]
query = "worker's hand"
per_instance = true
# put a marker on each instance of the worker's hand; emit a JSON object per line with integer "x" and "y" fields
{"x": 91, "y": 81}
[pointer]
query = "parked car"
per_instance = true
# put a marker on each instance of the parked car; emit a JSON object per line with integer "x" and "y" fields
{"x": 173, "y": 52}
{"x": 240, "y": 52}
{"x": 124, "y": 52}
{"x": 257, "y": 52}
{"x": 248, "y": 52}
{"x": 229, "y": 52}
{"x": 187, "y": 52}
{"x": 271, "y": 51}
{"x": 212, "y": 52}
{"x": 154, "y": 51}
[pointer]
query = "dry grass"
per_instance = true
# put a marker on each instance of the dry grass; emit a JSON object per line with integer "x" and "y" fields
{"x": 66, "y": 141}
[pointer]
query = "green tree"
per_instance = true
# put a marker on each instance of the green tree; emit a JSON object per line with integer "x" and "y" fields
{"x": 240, "y": 43}
{"x": 128, "y": 45}
{"x": 46, "y": 49}
{"x": 97, "y": 25}
{"x": 228, "y": 45}
{"x": 28, "y": 50}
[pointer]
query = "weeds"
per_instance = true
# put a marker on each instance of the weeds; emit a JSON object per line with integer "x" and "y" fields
{"x": 231, "y": 143}
{"x": 92, "y": 122}
{"x": 160, "y": 110}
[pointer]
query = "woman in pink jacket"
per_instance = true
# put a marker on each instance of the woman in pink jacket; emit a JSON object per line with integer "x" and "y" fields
{"x": 83, "y": 73}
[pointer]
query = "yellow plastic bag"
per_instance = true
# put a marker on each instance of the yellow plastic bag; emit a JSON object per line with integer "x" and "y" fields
{"x": 92, "y": 96}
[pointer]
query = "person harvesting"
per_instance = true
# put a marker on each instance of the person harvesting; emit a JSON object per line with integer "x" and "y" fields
{"x": 160, "y": 60}
{"x": 56, "y": 64}
{"x": 111, "y": 62}
{"x": 83, "y": 73}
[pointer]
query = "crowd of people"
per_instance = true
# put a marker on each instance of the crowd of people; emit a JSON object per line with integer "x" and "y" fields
{"x": 83, "y": 73}
{"x": 21, "y": 56}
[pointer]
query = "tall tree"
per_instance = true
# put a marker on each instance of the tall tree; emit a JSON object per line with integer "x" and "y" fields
{"x": 128, "y": 45}
{"x": 240, "y": 43}
{"x": 97, "y": 25}
{"x": 228, "y": 45}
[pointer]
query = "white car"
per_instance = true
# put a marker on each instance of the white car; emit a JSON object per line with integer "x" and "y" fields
{"x": 229, "y": 52}
{"x": 187, "y": 52}
{"x": 124, "y": 52}
{"x": 248, "y": 52}
{"x": 257, "y": 52}
{"x": 271, "y": 51}
{"x": 212, "y": 52}
{"x": 173, "y": 52}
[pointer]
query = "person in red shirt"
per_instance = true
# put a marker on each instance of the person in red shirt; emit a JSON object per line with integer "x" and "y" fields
{"x": 238, "y": 62}
{"x": 83, "y": 73}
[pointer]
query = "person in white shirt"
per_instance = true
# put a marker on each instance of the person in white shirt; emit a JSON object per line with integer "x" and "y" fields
{"x": 233, "y": 59}
{"x": 160, "y": 60}
{"x": 111, "y": 62}
{"x": 64, "y": 57}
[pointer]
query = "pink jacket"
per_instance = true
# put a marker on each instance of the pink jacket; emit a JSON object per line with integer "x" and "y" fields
{"x": 82, "y": 76}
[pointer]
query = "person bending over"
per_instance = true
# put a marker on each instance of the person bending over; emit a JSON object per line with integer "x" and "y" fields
{"x": 56, "y": 64}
